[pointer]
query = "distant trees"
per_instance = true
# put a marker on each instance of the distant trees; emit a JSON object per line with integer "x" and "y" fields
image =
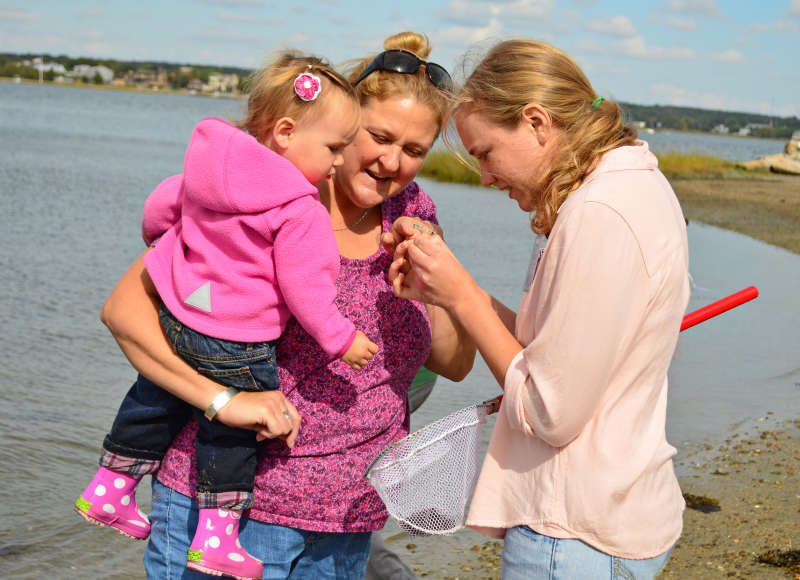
{"x": 181, "y": 79}
{"x": 13, "y": 69}
{"x": 692, "y": 119}
{"x": 183, "y": 76}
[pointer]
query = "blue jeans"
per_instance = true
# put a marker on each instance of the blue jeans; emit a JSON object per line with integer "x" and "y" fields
{"x": 529, "y": 555}
{"x": 150, "y": 417}
{"x": 286, "y": 552}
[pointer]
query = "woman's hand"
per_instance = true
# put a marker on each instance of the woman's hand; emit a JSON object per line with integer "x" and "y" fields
{"x": 404, "y": 228}
{"x": 269, "y": 413}
{"x": 425, "y": 269}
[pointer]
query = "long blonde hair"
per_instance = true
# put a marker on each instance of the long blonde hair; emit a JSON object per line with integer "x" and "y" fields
{"x": 384, "y": 84}
{"x": 515, "y": 73}
{"x": 272, "y": 94}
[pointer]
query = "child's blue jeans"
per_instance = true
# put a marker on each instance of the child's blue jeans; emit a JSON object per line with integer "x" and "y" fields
{"x": 150, "y": 417}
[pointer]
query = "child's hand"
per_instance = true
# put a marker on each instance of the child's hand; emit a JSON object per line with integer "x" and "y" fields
{"x": 360, "y": 352}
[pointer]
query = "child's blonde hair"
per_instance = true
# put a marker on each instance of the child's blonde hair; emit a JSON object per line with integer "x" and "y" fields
{"x": 515, "y": 73}
{"x": 385, "y": 84}
{"x": 272, "y": 93}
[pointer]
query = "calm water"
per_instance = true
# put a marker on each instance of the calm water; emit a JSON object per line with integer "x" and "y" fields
{"x": 75, "y": 167}
{"x": 724, "y": 147}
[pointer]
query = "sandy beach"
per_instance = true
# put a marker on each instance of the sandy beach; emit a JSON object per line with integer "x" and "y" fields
{"x": 747, "y": 486}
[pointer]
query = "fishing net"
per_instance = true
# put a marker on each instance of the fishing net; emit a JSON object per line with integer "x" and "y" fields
{"x": 427, "y": 478}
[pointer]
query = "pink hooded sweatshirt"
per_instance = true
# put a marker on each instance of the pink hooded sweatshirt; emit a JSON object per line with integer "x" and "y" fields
{"x": 245, "y": 243}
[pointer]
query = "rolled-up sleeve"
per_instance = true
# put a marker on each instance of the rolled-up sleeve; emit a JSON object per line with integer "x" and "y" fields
{"x": 587, "y": 295}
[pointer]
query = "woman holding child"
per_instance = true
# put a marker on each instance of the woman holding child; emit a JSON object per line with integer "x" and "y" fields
{"x": 313, "y": 511}
{"x": 578, "y": 477}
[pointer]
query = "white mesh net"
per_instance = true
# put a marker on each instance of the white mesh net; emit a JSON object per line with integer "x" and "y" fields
{"x": 427, "y": 478}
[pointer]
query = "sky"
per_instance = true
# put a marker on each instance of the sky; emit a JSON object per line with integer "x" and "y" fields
{"x": 734, "y": 55}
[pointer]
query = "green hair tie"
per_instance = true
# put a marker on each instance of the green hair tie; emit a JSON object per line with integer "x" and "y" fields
{"x": 597, "y": 101}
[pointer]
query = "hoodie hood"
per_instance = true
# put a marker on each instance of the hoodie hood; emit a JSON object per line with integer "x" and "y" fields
{"x": 228, "y": 171}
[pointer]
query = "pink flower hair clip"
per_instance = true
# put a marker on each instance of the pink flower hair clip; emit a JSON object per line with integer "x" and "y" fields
{"x": 307, "y": 86}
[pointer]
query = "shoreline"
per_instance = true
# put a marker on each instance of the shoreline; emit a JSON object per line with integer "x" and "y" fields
{"x": 766, "y": 208}
{"x": 124, "y": 89}
{"x": 241, "y": 95}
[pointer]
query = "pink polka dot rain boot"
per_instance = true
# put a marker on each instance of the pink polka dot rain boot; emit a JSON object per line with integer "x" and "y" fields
{"x": 216, "y": 549}
{"x": 110, "y": 501}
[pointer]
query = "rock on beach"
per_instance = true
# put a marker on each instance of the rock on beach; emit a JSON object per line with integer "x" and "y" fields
{"x": 787, "y": 162}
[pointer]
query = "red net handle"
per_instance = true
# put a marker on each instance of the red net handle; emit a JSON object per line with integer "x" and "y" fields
{"x": 719, "y": 307}
{"x": 696, "y": 317}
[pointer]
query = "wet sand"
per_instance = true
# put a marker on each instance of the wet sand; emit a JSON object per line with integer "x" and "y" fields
{"x": 765, "y": 208}
{"x": 753, "y": 476}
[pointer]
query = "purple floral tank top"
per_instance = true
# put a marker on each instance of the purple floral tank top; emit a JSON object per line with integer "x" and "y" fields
{"x": 348, "y": 416}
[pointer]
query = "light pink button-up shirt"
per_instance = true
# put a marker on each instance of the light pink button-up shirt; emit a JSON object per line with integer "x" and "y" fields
{"x": 579, "y": 447}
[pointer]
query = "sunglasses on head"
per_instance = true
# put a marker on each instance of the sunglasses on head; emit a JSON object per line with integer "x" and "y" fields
{"x": 405, "y": 62}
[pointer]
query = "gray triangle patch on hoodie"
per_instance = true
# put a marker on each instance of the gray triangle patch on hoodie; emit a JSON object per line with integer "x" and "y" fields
{"x": 201, "y": 298}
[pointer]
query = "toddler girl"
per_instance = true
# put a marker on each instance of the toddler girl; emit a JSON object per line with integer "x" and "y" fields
{"x": 241, "y": 243}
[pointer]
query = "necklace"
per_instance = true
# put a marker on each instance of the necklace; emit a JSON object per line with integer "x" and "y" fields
{"x": 355, "y": 223}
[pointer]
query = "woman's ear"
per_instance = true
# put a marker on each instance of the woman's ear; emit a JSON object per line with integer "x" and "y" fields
{"x": 282, "y": 133}
{"x": 539, "y": 120}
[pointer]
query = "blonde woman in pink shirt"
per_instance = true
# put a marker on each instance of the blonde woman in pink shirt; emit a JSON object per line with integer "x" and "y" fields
{"x": 578, "y": 477}
{"x": 242, "y": 243}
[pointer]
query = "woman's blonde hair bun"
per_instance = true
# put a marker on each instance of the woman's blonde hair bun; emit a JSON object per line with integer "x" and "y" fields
{"x": 414, "y": 42}
{"x": 383, "y": 84}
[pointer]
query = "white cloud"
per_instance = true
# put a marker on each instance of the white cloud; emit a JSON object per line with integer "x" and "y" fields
{"x": 682, "y": 23}
{"x": 756, "y": 29}
{"x": 94, "y": 12}
{"x": 91, "y": 34}
{"x": 246, "y": 18}
{"x": 729, "y": 56}
{"x": 616, "y": 26}
{"x": 636, "y": 47}
{"x": 19, "y": 41}
{"x": 227, "y": 36}
{"x": 778, "y": 26}
{"x": 18, "y": 14}
{"x": 478, "y": 11}
{"x": 233, "y": 2}
{"x": 794, "y": 8}
{"x": 589, "y": 45}
{"x": 300, "y": 38}
{"x": 665, "y": 94}
{"x": 682, "y": 97}
{"x": 786, "y": 26}
{"x": 702, "y": 7}
{"x": 99, "y": 49}
{"x": 465, "y": 35}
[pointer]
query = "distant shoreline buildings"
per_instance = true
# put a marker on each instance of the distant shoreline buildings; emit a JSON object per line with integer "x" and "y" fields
{"x": 151, "y": 77}
{"x": 232, "y": 82}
